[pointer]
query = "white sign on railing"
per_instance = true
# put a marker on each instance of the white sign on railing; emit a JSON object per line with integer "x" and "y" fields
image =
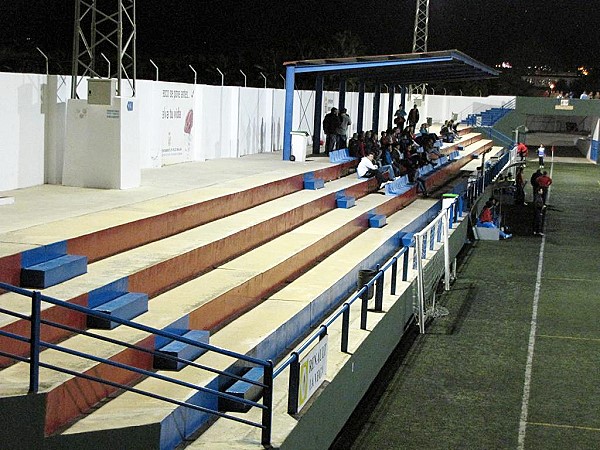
{"x": 313, "y": 368}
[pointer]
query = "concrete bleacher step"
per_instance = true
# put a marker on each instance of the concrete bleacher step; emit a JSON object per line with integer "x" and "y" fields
{"x": 243, "y": 389}
{"x": 126, "y": 307}
{"x": 260, "y": 332}
{"x": 155, "y": 267}
{"x": 180, "y": 350}
{"x": 207, "y": 303}
{"x": 104, "y": 233}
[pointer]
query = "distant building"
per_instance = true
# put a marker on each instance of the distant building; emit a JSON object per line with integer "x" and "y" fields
{"x": 550, "y": 80}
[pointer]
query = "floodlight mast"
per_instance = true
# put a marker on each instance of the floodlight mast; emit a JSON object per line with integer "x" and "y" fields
{"x": 420, "y": 39}
{"x": 104, "y": 26}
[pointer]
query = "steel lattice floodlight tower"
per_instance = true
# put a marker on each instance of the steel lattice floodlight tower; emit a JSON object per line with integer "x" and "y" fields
{"x": 420, "y": 38}
{"x": 104, "y": 26}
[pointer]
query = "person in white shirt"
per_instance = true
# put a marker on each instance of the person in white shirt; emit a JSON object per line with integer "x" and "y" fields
{"x": 541, "y": 153}
{"x": 367, "y": 169}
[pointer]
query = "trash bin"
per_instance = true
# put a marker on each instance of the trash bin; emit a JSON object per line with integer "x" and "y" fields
{"x": 429, "y": 121}
{"x": 455, "y": 117}
{"x": 299, "y": 144}
{"x": 364, "y": 276}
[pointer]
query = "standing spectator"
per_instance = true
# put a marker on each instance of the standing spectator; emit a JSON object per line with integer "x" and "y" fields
{"x": 584, "y": 96}
{"x": 522, "y": 151}
{"x": 342, "y": 131}
{"x": 400, "y": 118}
{"x": 331, "y": 123}
{"x": 541, "y": 154}
{"x": 539, "y": 211}
{"x": 520, "y": 185}
{"x": 534, "y": 177}
{"x": 544, "y": 183}
{"x": 413, "y": 118}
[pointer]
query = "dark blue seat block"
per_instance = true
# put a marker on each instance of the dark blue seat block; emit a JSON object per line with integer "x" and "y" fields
{"x": 54, "y": 271}
{"x": 377, "y": 221}
{"x": 314, "y": 184}
{"x": 245, "y": 390}
{"x": 345, "y": 202}
{"x": 124, "y": 307}
{"x": 181, "y": 350}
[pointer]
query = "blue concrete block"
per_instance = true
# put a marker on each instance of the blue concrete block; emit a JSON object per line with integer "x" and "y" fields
{"x": 53, "y": 272}
{"x": 245, "y": 390}
{"x": 108, "y": 292}
{"x": 377, "y": 221}
{"x": 42, "y": 254}
{"x": 181, "y": 350}
{"x": 179, "y": 328}
{"x": 314, "y": 184}
{"x": 345, "y": 202}
{"x": 125, "y": 307}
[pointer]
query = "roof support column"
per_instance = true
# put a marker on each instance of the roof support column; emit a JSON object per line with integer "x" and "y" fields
{"x": 376, "y": 103}
{"x": 342, "y": 99}
{"x": 290, "y": 74}
{"x": 403, "y": 97}
{"x": 318, "y": 112}
{"x": 361, "y": 105}
{"x": 390, "y": 117}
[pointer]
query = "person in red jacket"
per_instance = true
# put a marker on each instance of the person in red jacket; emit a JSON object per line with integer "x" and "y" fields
{"x": 522, "y": 151}
{"x": 544, "y": 183}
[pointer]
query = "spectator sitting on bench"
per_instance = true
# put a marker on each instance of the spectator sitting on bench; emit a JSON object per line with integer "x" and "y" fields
{"x": 447, "y": 134}
{"x": 367, "y": 169}
{"x": 486, "y": 220}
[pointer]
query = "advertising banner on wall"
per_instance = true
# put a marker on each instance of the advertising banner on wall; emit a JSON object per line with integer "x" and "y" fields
{"x": 177, "y": 123}
{"x": 307, "y": 375}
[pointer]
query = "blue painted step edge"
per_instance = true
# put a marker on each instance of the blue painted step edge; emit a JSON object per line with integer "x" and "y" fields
{"x": 125, "y": 307}
{"x": 54, "y": 271}
{"x": 181, "y": 350}
{"x": 245, "y": 390}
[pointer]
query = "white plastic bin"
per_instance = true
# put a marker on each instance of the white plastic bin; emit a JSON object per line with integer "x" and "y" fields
{"x": 299, "y": 145}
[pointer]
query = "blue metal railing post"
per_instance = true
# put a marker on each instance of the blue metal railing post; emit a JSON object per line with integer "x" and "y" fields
{"x": 363, "y": 310}
{"x": 405, "y": 265}
{"x": 394, "y": 275}
{"x": 267, "y": 413}
{"x": 34, "y": 349}
{"x": 379, "y": 292}
{"x": 293, "y": 384}
{"x": 345, "y": 328}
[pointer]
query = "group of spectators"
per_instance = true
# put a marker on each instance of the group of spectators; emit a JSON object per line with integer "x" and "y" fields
{"x": 401, "y": 149}
{"x": 585, "y": 95}
{"x": 335, "y": 127}
{"x": 540, "y": 183}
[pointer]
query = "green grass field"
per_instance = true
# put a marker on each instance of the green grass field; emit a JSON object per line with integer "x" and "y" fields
{"x": 461, "y": 385}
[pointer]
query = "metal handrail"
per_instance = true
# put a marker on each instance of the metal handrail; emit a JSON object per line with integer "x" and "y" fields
{"x": 137, "y": 326}
{"x": 343, "y": 310}
{"x": 36, "y": 344}
{"x": 508, "y": 105}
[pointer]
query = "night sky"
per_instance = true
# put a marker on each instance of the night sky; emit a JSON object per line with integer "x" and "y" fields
{"x": 562, "y": 33}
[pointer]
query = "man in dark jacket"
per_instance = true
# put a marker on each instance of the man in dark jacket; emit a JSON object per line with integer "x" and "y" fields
{"x": 331, "y": 123}
{"x": 413, "y": 118}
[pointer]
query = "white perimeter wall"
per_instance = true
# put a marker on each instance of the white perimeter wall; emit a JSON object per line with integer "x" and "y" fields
{"x": 225, "y": 121}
